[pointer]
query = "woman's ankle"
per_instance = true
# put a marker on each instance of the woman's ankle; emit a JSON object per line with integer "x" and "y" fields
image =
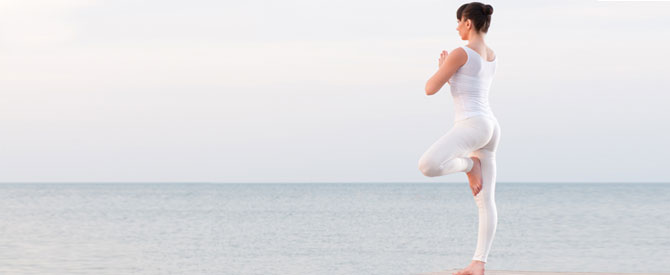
{"x": 477, "y": 262}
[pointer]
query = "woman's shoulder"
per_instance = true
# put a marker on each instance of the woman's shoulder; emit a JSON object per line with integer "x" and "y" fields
{"x": 460, "y": 50}
{"x": 491, "y": 54}
{"x": 460, "y": 54}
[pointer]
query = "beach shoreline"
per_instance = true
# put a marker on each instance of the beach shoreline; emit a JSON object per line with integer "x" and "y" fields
{"x": 513, "y": 272}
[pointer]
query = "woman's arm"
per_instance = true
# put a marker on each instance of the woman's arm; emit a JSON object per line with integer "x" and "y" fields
{"x": 449, "y": 66}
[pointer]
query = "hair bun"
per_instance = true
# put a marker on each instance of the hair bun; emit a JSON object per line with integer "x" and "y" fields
{"x": 488, "y": 9}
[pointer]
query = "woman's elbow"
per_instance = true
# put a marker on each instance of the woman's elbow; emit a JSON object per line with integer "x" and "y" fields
{"x": 430, "y": 90}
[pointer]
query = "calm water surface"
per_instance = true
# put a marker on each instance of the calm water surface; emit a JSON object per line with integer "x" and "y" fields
{"x": 327, "y": 228}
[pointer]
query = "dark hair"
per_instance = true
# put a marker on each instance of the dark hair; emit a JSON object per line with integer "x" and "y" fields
{"x": 479, "y": 13}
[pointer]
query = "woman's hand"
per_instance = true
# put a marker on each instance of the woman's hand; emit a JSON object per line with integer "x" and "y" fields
{"x": 443, "y": 56}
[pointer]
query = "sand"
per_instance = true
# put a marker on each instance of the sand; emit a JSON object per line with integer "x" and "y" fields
{"x": 510, "y": 272}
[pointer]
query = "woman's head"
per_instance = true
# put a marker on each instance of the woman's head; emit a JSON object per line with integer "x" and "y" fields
{"x": 473, "y": 17}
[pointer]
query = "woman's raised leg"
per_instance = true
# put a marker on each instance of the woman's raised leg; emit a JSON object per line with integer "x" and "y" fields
{"x": 449, "y": 154}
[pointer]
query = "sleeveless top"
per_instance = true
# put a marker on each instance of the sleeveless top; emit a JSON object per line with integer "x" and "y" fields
{"x": 470, "y": 86}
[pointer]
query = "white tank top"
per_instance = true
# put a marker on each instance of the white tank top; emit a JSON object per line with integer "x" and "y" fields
{"x": 470, "y": 86}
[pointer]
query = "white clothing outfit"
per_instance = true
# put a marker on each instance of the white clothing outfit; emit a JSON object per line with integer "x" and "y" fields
{"x": 476, "y": 132}
{"x": 470, "y": 86}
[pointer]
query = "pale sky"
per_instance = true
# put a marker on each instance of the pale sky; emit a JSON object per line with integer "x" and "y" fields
{"x": 323, "y": 91}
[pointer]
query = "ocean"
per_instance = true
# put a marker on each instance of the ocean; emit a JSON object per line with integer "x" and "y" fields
{"x": 347, "y": 228}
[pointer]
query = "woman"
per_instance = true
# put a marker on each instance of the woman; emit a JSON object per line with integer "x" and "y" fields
{"x": 471, "y": 144}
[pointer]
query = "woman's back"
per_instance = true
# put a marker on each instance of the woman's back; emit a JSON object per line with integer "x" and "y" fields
{"x": 470, "y": 86}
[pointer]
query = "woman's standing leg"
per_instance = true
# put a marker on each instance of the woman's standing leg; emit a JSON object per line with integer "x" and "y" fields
{"x": 485, "y": 199}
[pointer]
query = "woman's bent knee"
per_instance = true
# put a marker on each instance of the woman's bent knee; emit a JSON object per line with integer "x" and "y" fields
{"x": 429, "y": 168}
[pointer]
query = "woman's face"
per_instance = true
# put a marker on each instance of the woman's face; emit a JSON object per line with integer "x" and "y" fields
{"x": 463, "y": 28}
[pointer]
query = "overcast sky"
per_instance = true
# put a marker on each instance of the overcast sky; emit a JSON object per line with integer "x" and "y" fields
{"x": 323, "y": 91}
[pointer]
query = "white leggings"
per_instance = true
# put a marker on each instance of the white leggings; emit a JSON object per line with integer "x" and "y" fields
{"x": 474, "y": 136}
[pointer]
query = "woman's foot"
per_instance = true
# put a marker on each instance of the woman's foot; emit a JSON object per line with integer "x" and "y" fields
{"x": 475, "y": 268}
{"x": 475, "y": 176}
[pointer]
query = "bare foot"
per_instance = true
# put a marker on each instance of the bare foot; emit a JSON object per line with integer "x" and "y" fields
{"x": 474, "y": 268}
{"x": 475, "y": 176}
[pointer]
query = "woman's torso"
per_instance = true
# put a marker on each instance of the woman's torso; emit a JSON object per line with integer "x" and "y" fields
{"x": 470, "y": 86}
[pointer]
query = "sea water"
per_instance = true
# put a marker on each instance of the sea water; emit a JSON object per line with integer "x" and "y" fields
{"x": 409, "y": 228}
